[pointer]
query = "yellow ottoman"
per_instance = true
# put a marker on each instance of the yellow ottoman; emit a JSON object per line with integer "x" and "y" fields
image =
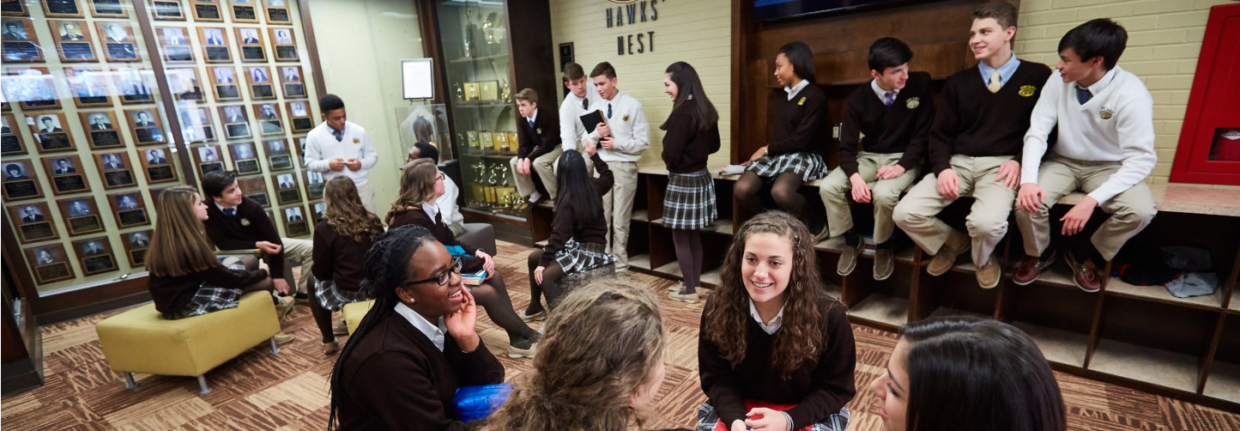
{"x": 142, "y": 341}
{"x": 354, "y": 312}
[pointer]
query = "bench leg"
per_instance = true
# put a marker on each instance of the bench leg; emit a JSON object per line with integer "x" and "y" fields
{"x": 274, "y": 349}
{"x": 129, "y": 383}
{"x": 203, "y": 389}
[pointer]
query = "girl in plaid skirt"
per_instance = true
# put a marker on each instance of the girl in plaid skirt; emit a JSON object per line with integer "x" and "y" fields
{"x": 689, "y": 204}
{"x": 341, "y": 240}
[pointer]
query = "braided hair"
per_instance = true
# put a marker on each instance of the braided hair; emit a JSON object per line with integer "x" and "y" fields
{"x": 387, "y": 266}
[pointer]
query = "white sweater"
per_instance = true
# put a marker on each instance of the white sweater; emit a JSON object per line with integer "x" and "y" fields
{"x": 1116, "y": 125}
{"x": 571, "y": 129}
{"x": 322, "y": 147}
{"x": 629, "y": 128}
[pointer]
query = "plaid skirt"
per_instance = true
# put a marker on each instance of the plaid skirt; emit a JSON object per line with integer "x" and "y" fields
{"x": 583, "y": 256}
{"x": 334, "y": 299}
{"x": 708, "y": 419}
{"x": 690, "y": 201}
{"x": 206, "y": 300}
{"x": 810, "y": 166}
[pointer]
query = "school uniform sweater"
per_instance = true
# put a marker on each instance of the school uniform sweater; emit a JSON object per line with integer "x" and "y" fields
{"x": 248, "y": 225}
{"x": 396, "y": 379}
{"x": 441, "y": 232}
{"x": 685, "y": 146}
{"x": 1115, "y": 125}
{"x": 171, "y": 293}
{"x": 579, "y": 227}
{"x": 799, "y": 123}
{"x": 571, "y": 110}
{"x": 903, "y": 127}
{"x": 339, "y": 258}
{"x": 975, "y": 122}
{"x": 539, "y": 139}
{"x": 322, "y": 147}
{"x": 819, "y": 388}
{"x": 630, "y": 131}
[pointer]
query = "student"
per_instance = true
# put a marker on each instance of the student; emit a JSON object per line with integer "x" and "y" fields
{"x": 416, "y": 345}
{"x": 891, "y": 119}
{"x": 689, "y": 204}
{"x": 186, "y": 278}
{"x": 621, "y": 140}
{"x": 585, "y": 382}
{"x": 580, "y": 98}
{"x": 420, "y": 184}
{"x": 968, "y": 374}
{"x": 1105, "y": 148}
{"x": 793, "y": 155}
{"x": 239, "y": 223}
{"x": 538, "y": 149}
{"x": 771, "y": 336}
{"x": 448, "y": 209}
{"x": 341, "y": 147}
{"x": 578, "y": 241}
{"x": 975, "y": 149}
{"x": 341, "y": 239}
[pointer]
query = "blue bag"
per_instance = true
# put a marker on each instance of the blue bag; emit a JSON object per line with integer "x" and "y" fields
{"x": 479, "y": 402}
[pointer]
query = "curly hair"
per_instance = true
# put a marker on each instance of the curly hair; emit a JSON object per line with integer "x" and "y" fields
{"x": 417, "y": 186}
{"x": 345, "y": 212}
{"x": 600, "y": 347}
{"x": 725, "y": 322}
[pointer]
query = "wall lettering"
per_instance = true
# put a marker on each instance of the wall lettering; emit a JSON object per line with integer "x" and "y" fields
{"x": 629, "y": 14}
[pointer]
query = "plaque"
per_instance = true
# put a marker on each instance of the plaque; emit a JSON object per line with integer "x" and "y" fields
{"x": 269, "y": 118}
{"x": 159, "y": 174}
{"x": 207, "y": 12}
{"x": 22, "y": 189}
{"x": 261, "y": 198}
{"x": 196, "y": 125}
{"x": 10, "y": 141}
{"x": 81, "y": 215}
{"x": 304, "y": 124}
{"x": 471, "y": 91}
{"x": 253, "y": 53}
{"x": 50, "y": 132}
{"x": 73, "y": 41}
{"x": 214, "y": 42}
{"x": 13, "y": 8}
{"x": 280, "y": 163}
{"x": 101, "y": 130}
{"x": 295, "y": 223}
{"x": 136, "y": 244}
{"x": 35, "y": 232}
{"x": 294, "y": 90}
{"x": 32, "y": 87}
{"x": 501, "y": 142}
{"x": 314, "y": 185}
{"x": 157, "y": 165}
{"x": 243, "y": 13}
{"x": 145, "y": 125}
{"x": 108, "y": 9}
{"x": 262, "y": 91}
{"x": 95, "y": 255}
{"x": 175, "y": 43}
{"x": 34, "y": 222}
{"x": 486, "y": 142}
{"x": 251, "y": 42}
{"x": 286, "y": 53}
{"x": 512, "y": 139}
{"x": 227, "y": 92}
{"x": 278, "y": 16}
{"x": 132, "y": 85}
{"x": 184, "y": 83}
{"x": 245, "y": 159}
{"x": 488, "y": 90}
{"x": 178, "y": 54}
{"x": 167, "y": 10}
{"x": 286, "y": 189}
{"x": 49, "y": 263}
{"x": 119, "y": 43}
{"x": 62, "y": 9}
{"x": 271, "y": 127}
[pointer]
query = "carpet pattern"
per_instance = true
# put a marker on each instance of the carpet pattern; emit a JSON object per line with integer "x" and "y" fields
{"x": 288, "y": 391}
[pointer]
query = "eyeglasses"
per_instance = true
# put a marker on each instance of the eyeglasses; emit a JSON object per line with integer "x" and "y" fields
{"x": 443, "y": 277}
{"x": 442, "y": 176}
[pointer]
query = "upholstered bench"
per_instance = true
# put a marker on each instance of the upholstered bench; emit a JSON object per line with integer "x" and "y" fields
{"x": 142, "y": 341}
{"x": 354, "y": 312}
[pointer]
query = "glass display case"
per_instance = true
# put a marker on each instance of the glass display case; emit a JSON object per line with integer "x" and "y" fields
{"x": 475, "y": 46}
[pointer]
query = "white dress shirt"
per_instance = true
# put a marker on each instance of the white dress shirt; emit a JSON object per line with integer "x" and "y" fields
{"x": 769, "y": 328}
{"x": 322, "y": 147}
{"x": 880, "y": 92}
{"x": 629, "y": 129}
{"x": 795, "y": 89}
{"x": 571, "y": 129}
{"x": 435, "y": 332}
{"x": 446, "y": 203}
{"x": 432, "y": 209}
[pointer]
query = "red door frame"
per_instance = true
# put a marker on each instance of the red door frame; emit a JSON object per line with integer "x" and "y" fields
{"x": 1188, "y": 154}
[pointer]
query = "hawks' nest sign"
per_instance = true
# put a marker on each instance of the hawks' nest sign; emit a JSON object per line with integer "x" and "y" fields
{"x": 633, "y": 12}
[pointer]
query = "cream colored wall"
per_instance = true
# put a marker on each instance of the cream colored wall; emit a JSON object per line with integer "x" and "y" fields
{"x": 696, "y": 31}
{"x": 361, "y": 44}
{"x": 1164, "y": 40}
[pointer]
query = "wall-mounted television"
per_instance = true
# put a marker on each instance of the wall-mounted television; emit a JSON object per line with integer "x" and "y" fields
{"x": 774, "y": 10}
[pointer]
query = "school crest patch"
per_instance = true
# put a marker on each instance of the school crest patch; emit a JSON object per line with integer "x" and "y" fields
{"x": 1105, "y": 114}
{"x": 538, "y": 130}
{"x": 1027, "y": 90}
{"x": 801, "y": 102}
{"x": 356, "y": 141}
{"x": 245, "y": 222}
{"x": 625, "y": 118}
{"x": 913, "y": 102}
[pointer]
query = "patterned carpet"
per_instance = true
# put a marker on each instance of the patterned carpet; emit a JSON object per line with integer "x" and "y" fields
{"x": 257, "y": 391}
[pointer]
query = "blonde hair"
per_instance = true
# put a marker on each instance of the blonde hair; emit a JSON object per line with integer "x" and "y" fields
{"x": 417, "y": 186}
{"x": 179, "y": 245}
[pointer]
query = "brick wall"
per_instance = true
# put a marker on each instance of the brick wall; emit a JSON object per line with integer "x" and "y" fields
{"x": 1164, "y": 40}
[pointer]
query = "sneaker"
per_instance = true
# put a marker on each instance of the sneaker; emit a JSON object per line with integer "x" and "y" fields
{"x": 536, "y": 317}
{"x": 1085, "y": 275}
{"x": 884, "y": 263}
{"x": 517, "y": 352}
{"x": 989, "y": 274}
{"x": 691, "y": 298}
{"x": 283, "y": 338}
{"x": 1030, "y": 269}
{"x": 340, "y": 328}
{"x": 285, "y": 306}
{"x": 330, "y": 348}
{"x": 848, "y": 259}
{"x": 957, "y": 243}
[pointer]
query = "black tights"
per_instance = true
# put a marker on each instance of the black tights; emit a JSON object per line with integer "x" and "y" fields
{"x": 322, "y": 316}
{"x": 783, "y": 191}
{"x": 689, "y": 256}
{"x": 493, "y": 297}
{"x": 551, "y": 287}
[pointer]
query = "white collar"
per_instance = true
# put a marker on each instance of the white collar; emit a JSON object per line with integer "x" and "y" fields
{"x": 222, "y": 208}
{"x": 1102, "y": 83}
{"x": 614, "y": 99}
{"x": 431, "y": 209}
{"x": 770, "y": 328}
{"x": 534, "y": 116}
{"x": 880, "y": 91}
{"x": 793, "y": 90}
{"x": 434, "y": 332}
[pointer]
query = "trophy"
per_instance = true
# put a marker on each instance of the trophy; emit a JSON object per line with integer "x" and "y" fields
{"x": 459, "y": 90}
{"x": 492, "y": 180}
{"x": 506, "y": 188}
{"x": 473, "y": 141}
{"x": 479, "y": 191}
{"x": 485, "y": 140}
{"x": 470, "y": 28}
{"x": 501, "y": 142}
{"x": 506, "y": 94}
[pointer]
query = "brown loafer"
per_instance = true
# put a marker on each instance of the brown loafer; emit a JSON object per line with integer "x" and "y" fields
{"x": 1085, "y": 275}
{"x": 285, "y": 307}
{"x": 884, "y": 263}
{"x": 536, "y": 317}
{"x": 691, "y": 298}
{"x": 989, "y": 274}
{"x": 340, "y": 328}
{"x": 848, "y": 259}
{"x": 283, "y": 338}
{"x": 331, "y": 348}
{"x": 1030, "y": 269}
{"x": 957, "y": 243}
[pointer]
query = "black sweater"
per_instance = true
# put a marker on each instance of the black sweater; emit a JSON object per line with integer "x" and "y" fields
{"x": 975, "y": 122}
{"x": 685, "y": 146}
{"x": 339, "y": 258}
{"x": 798, "y": 123}
{"x": 582, "y": 228}
{"x": 172, "y": 293}
{"x": 250, "y": 224}
{"x": 819, "y": 389}
{"x": 903, "y": 127}
{"x": 442, "y": 233}
{"x": 540, "y": 139}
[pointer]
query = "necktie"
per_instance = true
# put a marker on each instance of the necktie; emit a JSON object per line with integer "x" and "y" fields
{"x": 230, "y": 211}
{"x": 608, "y": 111}
{"x": 1083, "y": 95}
{"x": 339, "y": 134}
{"x": 531, "y": 124}
{"x": 890, "y": 98}
{"x": 995, "y": 85}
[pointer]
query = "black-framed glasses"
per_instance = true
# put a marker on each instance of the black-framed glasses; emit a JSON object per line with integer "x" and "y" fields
{"x": 446, "y": 275}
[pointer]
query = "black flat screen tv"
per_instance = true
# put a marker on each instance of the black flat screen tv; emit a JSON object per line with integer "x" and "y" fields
{"x": 775, "y": 10}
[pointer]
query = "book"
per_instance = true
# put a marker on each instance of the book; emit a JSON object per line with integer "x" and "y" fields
{"x": 474, "y": 278}
{"x": 591, "y": 119}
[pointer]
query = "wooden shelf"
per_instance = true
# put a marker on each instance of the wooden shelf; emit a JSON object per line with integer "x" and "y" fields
{"x": 641, "y": 261}
{"x": 948, "y": 312}
{"x": 1118, "y": 287}
{"x": 834, "y": 290}
{"x": 1235, "y": 300}
{"x": 1224, "y": 382}
{"x": 1059, "y": 346}
{"x": 467, "y": 60}
{"x": 493, "y": 214}
{"x": 882, "y": 309}
{"x": 672, "y": 270}
{"x": 542, "y": 243}
{"x": 1159, "y": 367}
{"x": 500, "y": 157}
{"x": 836, "y": 245}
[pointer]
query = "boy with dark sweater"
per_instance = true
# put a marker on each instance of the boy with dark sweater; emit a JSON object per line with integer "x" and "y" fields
{"x": 890, "y": 118}
{"x": 538, "y": 135}
{"x": 975, "y": 149}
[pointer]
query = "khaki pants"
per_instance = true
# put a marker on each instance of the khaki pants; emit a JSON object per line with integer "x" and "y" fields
{"x": 884, "y": 194}
{"x": 366, "y": 192}
{"x": 987, "y": 221}
{"x": 298, "y": 252}
{"x": 544, "y": 166}
{"x": 618, "y": 209}
{"x": 1131, "y": 211}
